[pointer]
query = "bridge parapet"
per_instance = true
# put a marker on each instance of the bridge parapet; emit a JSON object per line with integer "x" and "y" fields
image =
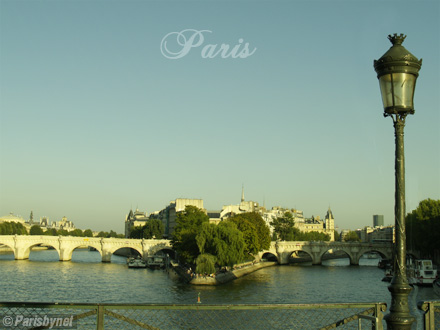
{"x": 316, "y": 249}
{"x": 65, "y": 245}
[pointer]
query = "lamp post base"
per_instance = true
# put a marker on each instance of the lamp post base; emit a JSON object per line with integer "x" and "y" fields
{"x": 399, "y": 317}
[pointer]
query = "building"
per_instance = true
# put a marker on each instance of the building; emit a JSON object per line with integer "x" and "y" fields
{"x": 63, "y": 224}
{"x": 12, "y": 218}
{"x": 244, "y": 207}
{"x": 377, "y": 220}
{"x": 326, "y": 226}
{"x": 44, "y": 222}
{"x": 169, "y": 214}
{"x": 134, "y": 219}
{"x": 376, "y": 234}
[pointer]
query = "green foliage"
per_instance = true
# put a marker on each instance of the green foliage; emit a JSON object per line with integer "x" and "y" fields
{"x": 88, "y": 233}
{"x": 136, "y": 232}
{"x": 284, "y": 227}
{"x": 256, "y": 233}
{"x": 224, "y": 241}
{"x": 63, "y": 232}
{"x": 337, "y": 236}
{"x": 102, "y": 234}
{"x": 36, "y": 230}
{"x": 154, "y": 228}
{"x": 51, "y": 232}
{"x": 189, "y": 223}
{"x": 12, "y": 228}
{"x": 423, "y": 228}
{"x": 76, "y": 232}
{"x": 205, "y": 263}
{"x": 351, "y": 236}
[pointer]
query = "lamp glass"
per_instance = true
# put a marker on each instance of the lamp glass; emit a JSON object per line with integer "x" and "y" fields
{"x": 397, "y": 90}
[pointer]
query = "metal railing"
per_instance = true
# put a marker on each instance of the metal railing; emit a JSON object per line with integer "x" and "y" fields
{"x": 431, "y": 309}
{"x": 196, "y": 316}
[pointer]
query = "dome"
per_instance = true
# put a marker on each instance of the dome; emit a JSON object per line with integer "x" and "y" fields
{"x": 12, "y": 218}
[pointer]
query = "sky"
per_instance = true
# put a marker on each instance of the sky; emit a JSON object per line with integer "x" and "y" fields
{"x": 111, "y": 105}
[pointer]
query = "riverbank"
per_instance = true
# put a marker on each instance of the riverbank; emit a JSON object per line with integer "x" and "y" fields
{"x": 225, "y": 277}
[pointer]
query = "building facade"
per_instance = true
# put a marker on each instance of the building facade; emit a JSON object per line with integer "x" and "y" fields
{"x": 377, "y": 220}
{"x": 134, "y": 219}
{"x": 169, "y": 214}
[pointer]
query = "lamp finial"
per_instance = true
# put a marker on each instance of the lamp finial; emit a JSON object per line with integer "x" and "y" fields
{"x": 396, "y": 39}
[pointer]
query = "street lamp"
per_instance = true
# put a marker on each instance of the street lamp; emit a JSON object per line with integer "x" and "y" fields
{"x": 397, "y": 71}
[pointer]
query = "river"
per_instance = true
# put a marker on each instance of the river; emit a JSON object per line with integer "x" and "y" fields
{"x": 86, "y": 279}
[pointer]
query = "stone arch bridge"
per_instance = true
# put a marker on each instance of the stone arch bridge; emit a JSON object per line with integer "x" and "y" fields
{"x": 21, "y": 245}
{"x": 283, "y": 250}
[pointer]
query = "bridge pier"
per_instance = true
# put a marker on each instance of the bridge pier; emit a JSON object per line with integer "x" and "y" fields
{"x": 106, "y": 256}
{"x": 65, "y": 255}
{"x": 21, "y": 253}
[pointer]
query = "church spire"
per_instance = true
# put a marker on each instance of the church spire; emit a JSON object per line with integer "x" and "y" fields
{"x": 242, "y": 192}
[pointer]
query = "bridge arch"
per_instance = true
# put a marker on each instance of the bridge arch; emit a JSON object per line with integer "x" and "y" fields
{"x": 269, "y": 256}
{"x": 107, "y": 253}
{"x": 339, "y": 252}
{"x": 316, "y": 249}
{"x": 68, "y": 252}
{"x": 23, "y": 251}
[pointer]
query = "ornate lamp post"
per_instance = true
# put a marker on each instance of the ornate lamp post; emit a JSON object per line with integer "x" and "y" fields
{"x": 397, "y": 71}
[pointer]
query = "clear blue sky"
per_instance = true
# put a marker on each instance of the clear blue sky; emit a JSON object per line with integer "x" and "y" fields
{"x": 95, "y": 119}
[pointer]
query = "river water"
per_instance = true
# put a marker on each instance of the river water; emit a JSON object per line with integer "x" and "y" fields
{"x": 86, "y": 279}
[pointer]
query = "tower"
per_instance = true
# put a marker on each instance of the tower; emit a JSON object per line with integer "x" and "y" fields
{"x": 377, "y": 220}
{"x": 242, "y": 193}
{"x": 329, "y": 220}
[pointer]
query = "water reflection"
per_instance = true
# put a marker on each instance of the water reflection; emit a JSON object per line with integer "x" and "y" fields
{"x": 87, "y": 279}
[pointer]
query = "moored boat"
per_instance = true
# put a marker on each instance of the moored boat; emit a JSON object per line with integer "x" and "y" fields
{"x": 421, "y": 272}
{"x": 136, "y": 262}
{"x": 159, "y": 260}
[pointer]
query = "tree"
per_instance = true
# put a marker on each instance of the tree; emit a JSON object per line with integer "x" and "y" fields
{"x": 337, "y": 236}
{"x": 36, "y": 230}
{"x": 189, "y": 223}
{"x": 423, "y": 228}
{"x": 205, "y": 263}
{"x": 51, "y": 232}
{"x": 112, "y": 234}
{"x": 284, "y": 227}
{"x": 63, "y": 232}
{"x": 77, "y": 232}
{"x": 224, "y": 241}
{"x": 137, "y": 232}
{"x": 154, "y": 228}
{"x": 255, "y": 231}
{"x": 12, "y": 228}
{"x": 351, "y": 236}
{"x": 88, "y": 233}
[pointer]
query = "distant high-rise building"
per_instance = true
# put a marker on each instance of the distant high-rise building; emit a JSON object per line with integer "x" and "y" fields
{"x": 377, "y": 220}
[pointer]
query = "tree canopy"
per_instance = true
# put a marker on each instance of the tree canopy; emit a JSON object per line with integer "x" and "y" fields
{"x": 255, "y": 231}
{"x": 36, "y": 230}
{"x": 284, "y": 227}
{"x": 154, "y": 228}
{"x": 188, "y": 224}
{"x": 12, "y": 228}
{"x": 351, "y": 236}
{"x": 423, "y": 228}
{"x": 224, "y": 241}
